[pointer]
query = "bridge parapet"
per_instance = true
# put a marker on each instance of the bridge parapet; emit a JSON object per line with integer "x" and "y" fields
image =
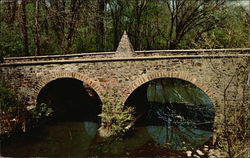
{"x": 92, "y": 55}
{"x": 193, "y": 52}
{"x": 137, "y": 55}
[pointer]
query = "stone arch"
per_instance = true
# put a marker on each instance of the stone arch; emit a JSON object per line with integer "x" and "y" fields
{"x": 180, "y": 75}
{"x": 47, "y": 79}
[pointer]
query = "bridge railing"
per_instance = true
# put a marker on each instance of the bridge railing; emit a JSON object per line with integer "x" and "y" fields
{"x": 194, "y": 51}
{"x": 144, "y": 53}
{"x": 58, "y": 57}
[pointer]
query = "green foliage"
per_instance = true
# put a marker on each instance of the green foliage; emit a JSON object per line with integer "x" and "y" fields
{"x": 234, "y": 31}
{"x": 147, "y": 23}
{"x": 39, "y": 116}
{"x": 14, "y": 115}
{"x": 115, "y": 117}
{"x": 84, "y": 41}
{"x": 41, "y": 111}
{"x": 10, "y": 42}
{"x": 231, "y": 30}
{"x": 12, "y": 111}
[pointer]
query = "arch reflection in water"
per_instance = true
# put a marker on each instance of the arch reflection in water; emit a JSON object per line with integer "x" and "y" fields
{"x": 91, "y": 128}
{"x": 178, "y": 114}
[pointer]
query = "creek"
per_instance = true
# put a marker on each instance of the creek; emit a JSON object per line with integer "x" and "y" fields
{"x": 81, "y": 139}
{"x": 175, "y": 116}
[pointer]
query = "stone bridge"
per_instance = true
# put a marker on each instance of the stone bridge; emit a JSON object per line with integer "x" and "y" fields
{"x": 215, "y": 71}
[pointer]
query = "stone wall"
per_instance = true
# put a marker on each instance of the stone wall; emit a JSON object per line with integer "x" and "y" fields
{"x": 210, "y": 74}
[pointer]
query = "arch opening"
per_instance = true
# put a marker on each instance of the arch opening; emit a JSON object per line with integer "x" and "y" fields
{"x": 71, "y": 100}
{"x": 73, "y": 126}
{"x": 176, "y": 113}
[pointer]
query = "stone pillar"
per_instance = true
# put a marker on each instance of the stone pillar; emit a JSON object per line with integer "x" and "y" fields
{"x": 125, "y": 48}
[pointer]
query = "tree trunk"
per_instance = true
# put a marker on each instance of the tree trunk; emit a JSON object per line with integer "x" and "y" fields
{"x": 46, "y": 25}
{"x": 137, "y": 26}
{"x": 24, "y": 28}
{"x": 172, "y": 45}
{"x": 100, "y": 31}
{"x": 72, "y": 24}
{"x": 116, "y": 38}
{"x": 37, "y": 29}
{"x": 11, "y": 13}
{"x": 115, "y": 21}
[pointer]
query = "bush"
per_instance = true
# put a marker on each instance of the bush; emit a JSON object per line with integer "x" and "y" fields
{"x": 39, "y": 115}
{"x": 14, "y": 115}
{"x": 115, "y": 117}
{"x": 12, "y": 110}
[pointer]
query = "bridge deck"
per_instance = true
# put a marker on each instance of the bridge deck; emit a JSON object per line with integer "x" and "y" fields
{"x": 137, "y": 55}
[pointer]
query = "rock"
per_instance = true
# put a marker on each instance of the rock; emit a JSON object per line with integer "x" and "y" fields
{"x": 200, "y": 152}
{"x": 211, "y": 156}
{"x": 196, "y": 156}
{"x": 205, "y": 148}
{"x": 211, "y": 153}
{"x": 189, "y": 153}
{"x": 215, "y": 153}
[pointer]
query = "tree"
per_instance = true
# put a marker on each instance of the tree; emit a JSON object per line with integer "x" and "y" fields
{"x": 230, "y": 31}
{"x": 139, "y": 7}
{"x": 24, "y": 26}
{"x": 65, "y": 20}
{"x": 116, "y": 8}
{"x": 11, "y": 13}
{"x": 37, "y": 28}
{"x": 100, "y": 29}
{"x": 40, "y": 27}
{"x": 10, "y": 38}
{"x": 186, "y": 16}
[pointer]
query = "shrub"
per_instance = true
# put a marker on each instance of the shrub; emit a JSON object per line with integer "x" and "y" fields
{"x": 115, "y": 117}
{"x": 39, "y": 115}
{"x": 12, "y": 110}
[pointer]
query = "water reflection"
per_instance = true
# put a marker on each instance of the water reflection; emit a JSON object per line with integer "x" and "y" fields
{"x": 184, "y": 112}
{"x": 91, "y": 128}
{"x": 56, "y": 139}
{"x": 81, "y": 139}
{"x": 181, "y": 138}
{"x": 176, "y": 115}
{"x": 140, "y": 141}
{"x": 158, "y": 133}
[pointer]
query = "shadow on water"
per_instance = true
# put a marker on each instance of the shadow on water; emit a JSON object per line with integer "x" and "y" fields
{"x": 164, "y": 128}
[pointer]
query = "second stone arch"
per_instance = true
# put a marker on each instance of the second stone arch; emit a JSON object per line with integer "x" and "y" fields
{"x": 173, "y": 108}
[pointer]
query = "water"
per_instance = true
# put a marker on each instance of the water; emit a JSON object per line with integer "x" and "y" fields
{"x": 175, "y": 116}
{"x": 81, "y": 139}
{"x": 58, "y": 139}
